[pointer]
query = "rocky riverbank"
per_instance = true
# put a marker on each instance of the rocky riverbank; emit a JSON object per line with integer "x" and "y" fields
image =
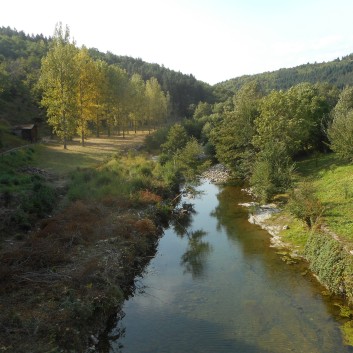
{"x": 217, "y": 174}
{"x": 260, "y": 214}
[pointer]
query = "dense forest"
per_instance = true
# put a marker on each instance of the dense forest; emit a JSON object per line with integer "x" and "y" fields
{"x": 338, "y": 72}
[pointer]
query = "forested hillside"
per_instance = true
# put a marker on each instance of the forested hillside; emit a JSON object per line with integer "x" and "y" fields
{"x": 20, "y": 62}
{"x": 338, "y": 72}
{"x": 185, "y": 90}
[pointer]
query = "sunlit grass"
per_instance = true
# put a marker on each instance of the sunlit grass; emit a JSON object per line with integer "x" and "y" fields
{"x": 53, "y": 157}
{"x": 333, "y": 180}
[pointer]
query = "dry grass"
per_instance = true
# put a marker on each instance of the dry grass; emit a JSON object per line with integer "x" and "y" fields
{"x": 75, "y": 269}
{"x": 55, "y": 158}
{"x": 59, "y": 283}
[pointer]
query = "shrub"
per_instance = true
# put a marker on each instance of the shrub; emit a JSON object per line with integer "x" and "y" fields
{"x": 147, "y": 196}
{"x": 304, "y": 204}
{"x": 156, "y": 139}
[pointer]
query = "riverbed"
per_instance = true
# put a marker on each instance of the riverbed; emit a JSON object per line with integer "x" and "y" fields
{"x": 217, "y": 286}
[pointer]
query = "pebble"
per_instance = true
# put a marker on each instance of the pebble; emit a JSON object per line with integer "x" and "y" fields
{"x": 218, "y": 173}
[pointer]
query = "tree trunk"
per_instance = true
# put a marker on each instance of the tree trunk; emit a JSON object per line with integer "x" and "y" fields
{"x": 97, "y": 126}
{"x": 83, "y": 136}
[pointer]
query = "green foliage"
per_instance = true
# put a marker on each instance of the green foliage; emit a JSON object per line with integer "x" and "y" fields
{"x": 347, "y": 333}
{"x": 24, "y": 192}
{"x": 58, "y": 80}
{"x": 330, "y": 261}
{"x": 191, "y": 160}
{"x": 292, "y": 118}
{"x": 194, "y": 127}
{"x": 338, "y": 73}
{"x": 202, "y": 110}
{"x": 304, "y": 204}
{"x": 154, "y": 140}
{"x": 340, "y": 131}
{"x": 176, "y": 140}
{"x": 20, "y": 57}
{"x": 184, "y": 89}
{"x": 20, "y": 96}
{"x": 272, "y": 172}
{"x": 233, "y": 136}
{"x": 122, "y": 178}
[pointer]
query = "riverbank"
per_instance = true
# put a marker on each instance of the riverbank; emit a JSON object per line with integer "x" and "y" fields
{"x": 327, "y": 246}
{"x": 62, "y": 279}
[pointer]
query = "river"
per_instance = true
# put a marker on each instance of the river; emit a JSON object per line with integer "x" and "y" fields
{"x": 217, "y": 286}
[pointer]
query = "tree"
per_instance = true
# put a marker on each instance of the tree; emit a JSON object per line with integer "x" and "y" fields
{"x": 233, "y": 137}
{"x": 3, "y": 78}
{"x": 100, "y": 93}
{"x": 115, "y": 103}
{"x": 291, "y": 117}
{"x": 87, "y": 72}
{"x": 176, "y": 140}
{"x": 340, "y": 132}
{"x": 156, "y": 102}
{"x": 58, "y": 79}
{"x": 202, "y": 109}
{"x": 272, "y": 171}
{"x": 138, "y": 97}
{"x": 190, "y": 160}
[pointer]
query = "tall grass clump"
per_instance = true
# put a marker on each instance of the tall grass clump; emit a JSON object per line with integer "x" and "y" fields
{"x": 120, "y": 177}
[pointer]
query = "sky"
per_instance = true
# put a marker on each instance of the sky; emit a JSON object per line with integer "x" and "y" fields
{"x": 214, "y": 40}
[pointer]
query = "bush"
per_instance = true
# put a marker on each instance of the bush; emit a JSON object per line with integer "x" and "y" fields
{"x": 305, "y": 206}
{"x": 156, "y": 139}
{"x": 272, "y": 172}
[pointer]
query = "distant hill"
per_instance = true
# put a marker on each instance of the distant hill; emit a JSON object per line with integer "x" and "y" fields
{"x": 20, "y": 61}
{"x": 338, "y": 72}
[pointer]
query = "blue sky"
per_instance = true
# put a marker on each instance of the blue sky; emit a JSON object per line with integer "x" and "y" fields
{"x": 214, "y": 40}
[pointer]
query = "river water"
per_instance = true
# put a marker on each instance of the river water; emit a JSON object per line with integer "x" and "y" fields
{"x": 217, "y": 286}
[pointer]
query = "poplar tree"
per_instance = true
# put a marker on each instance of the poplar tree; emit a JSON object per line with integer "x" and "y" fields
{"x": 100, "y": 93}
{"x": 138, "y": 99}
{"x": 58, "y": 79}
{"x": 156, "y": 102}
{"x": 87, "y": 71}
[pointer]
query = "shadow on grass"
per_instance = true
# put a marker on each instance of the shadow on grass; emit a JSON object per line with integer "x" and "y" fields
{"x": 64, "y": 161}
{"x": 312, "y": 166}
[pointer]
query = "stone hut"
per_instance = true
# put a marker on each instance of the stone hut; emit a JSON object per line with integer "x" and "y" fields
{"x": 28, "y": 132}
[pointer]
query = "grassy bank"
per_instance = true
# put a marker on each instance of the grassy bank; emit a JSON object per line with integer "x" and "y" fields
{"x": 327, "y": 245}
{"x": 332, "y": 181}
{"x": 71, "y": 267}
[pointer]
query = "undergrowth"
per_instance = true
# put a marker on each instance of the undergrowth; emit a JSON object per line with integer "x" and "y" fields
{"x": 25, "y": 194}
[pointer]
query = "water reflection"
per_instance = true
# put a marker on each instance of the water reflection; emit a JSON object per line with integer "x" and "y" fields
{"x": 182, "y": 219}
{"x": 216, "y": 286}
{"x": 195, "y": 256}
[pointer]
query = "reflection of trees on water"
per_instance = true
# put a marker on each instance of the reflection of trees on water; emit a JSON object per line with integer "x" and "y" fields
{"x": 110, "y": 339}
{"x": 194, "y": 258}
{"x": 227, "y": 209}
{"x": 182, "y": 220}
{"x": 196, "y": 254}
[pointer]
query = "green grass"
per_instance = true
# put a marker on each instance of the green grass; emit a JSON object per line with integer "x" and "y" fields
{"x": 12, "y": 177}
{"x": 333, "y": 180}
{"x": 59, "y": 161}
{"x": 118, "y": 177}
{"x": 8, "y": 140}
